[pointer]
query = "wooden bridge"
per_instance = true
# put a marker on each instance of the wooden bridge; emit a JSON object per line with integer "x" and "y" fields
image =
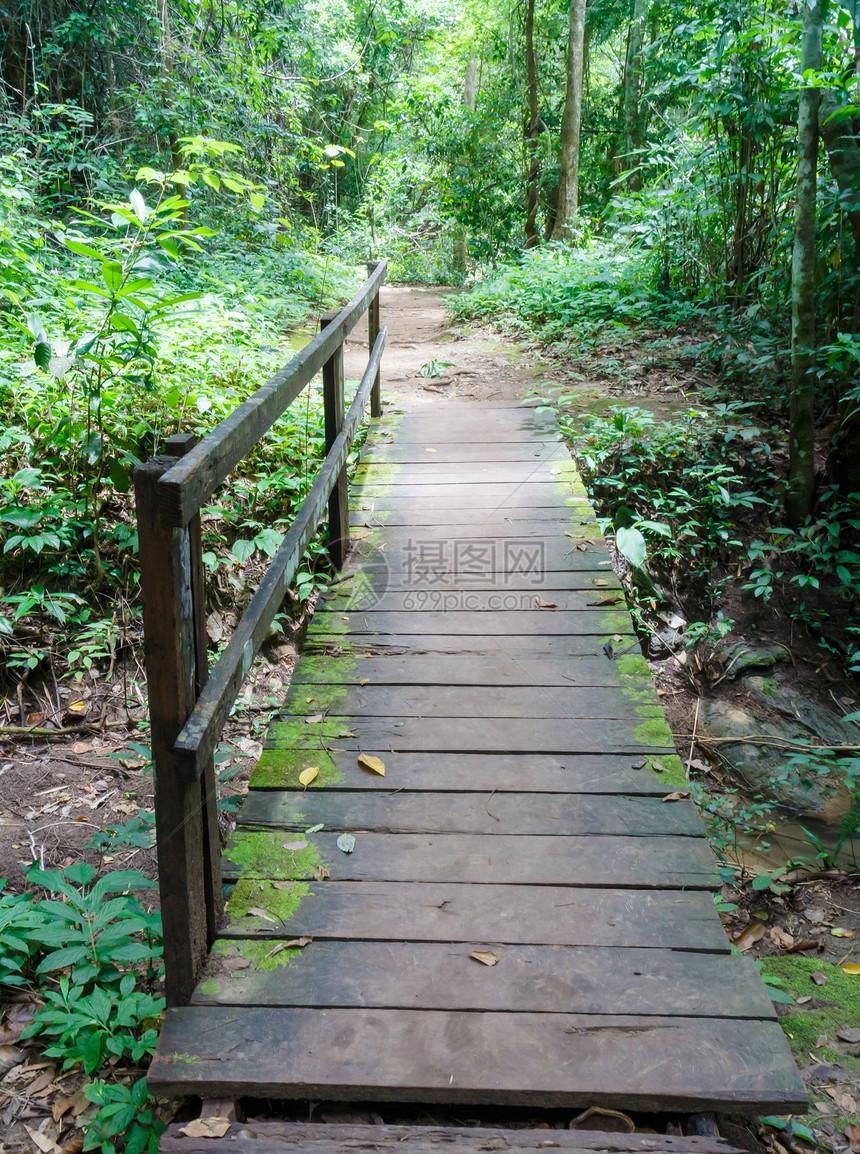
{"x": 467, "y": 869}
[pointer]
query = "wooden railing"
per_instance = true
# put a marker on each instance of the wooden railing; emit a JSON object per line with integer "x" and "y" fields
{"x": 188, "y": 707}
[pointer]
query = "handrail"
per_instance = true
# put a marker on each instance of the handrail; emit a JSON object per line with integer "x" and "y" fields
{"x": 196, "y": 743}
{"x": 187, "y": 707}
{"x": 185, "y": 487}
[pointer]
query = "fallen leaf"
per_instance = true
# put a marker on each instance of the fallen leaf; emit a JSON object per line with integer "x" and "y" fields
{"x": 803, "y": 944}
{"x": 485, "y": 957}
{"x": 237, "y": 963}
{"x": 61, "y": 1107}
{"x": 678, "y": 795}
{"x": 36, "y": 718}
{"x": 298, "y": 943}
{"x": 599, "y": 581}
{"x": 321, "y": 873}
{"x": 851, "y": 968}
{"x": 46, "y": 1145}
{"x": 374, "y": 764}
{"x": 82, "y": 747}
{"x": 541, "y": 604}
{"x": 842, "y": 1098}
{"x": 259, "y": 912}
{"x": 364, "y": 681}
{"x": 852, "y": 1133}
{"x": 206, "y": 1128}
{"x": 852, "y": 1034}
{"x": 749, "y": 936}
{"x": 359, "y": 534}
{"x": 681, "y": 658}
{"x": 802, "y": 1001}
{"x": 314, "y": 718}
{"x": 283, "y": 885}
{"x": 819, "y": 978}
{"x": 781, "y": 938}
{"x": 431, "y": 450}
{"x": 604, "y": 601}
{"x": 293, "y": 846}
{"x": 346, "y": 842}
{"x": 839, "y": 933}
{"x": 9, "y": 1056}
{"x": 658, "y": 766}
{"x": 76, "y": 707}
{"x": 308, "y": 775}
{"x": 315, "y": 828}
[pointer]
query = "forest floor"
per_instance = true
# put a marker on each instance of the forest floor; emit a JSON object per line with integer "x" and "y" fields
{"x": 58, "y": 793}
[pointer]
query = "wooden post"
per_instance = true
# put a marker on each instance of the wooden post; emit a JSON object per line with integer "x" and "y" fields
{"x": 372, "y": 334}
{"x": 338, "y": 505}
{"x": 186, "y": 824}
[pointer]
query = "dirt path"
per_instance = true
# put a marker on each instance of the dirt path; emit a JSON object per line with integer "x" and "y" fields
{"x": 472, "y": 365}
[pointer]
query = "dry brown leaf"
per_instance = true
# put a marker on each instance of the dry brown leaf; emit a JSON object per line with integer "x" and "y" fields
{"x": 259, "y": 912}
{"x": 852, "y": 1133}
{"x": 781, "y": 938}
{"x": 45, "y": 1144}
{"x": 485, "y": 957}
{"x": 74, "y": 1146}
{"x": 314, "y": 718}
{"x": 604, "y": 601}
{"x": 239, "y": 963}
{"x": 541, "y": 604}
{"x": 36, "y": 718}
{"x": 359, "y": 534}
{"x": 374, "y": 764}
{"x": 61, "y": 1107}
{"x": 39, "y": 1087}
{"x": 82, "y": 747}
{"x": 298, "y": 943}
{"x": 599, "y": 581}
{"x": 678, "y": 795}
{"x": 206, "y": 1128}
{"x": 819, "y": 978}
{"x": 753, "y": 933}
{"x": 803, "y": 944}
{"x": 18, "y": 1015}
{"x": 843, "y": 1099}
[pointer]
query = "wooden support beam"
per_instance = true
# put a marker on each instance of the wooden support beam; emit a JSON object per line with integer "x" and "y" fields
{"x": 338, "y": 504}
{"x": 372, "y": 334}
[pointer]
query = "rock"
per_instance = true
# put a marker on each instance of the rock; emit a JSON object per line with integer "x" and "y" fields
{"x": 742, "y": 658}
{"x": 764, "y": 768}
{"x": 818, "y": 722}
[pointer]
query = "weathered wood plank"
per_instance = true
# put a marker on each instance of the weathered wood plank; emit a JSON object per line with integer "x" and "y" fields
{"x": 535, "y": 471}
{"x": 500, "y": 495}
{"x": 461, "y": 598}
{"x": 531, "y": 623}
{"x": 469, "y": 669}
{"x": 527, "y": 978}
{"x": 473, "y": 735}
{"x": 462, "y": 912}
{"x": 634, "y": 862}
{"x": 525, "y": 701}
{"x": 398, "y": 452}
{"x": 450, "y": 772}
{"x": 329, "y": 636}
{"x": 343, "y": 1138}
{"x": 502, "y": 813}
{"x": 561, "y": 1059}
{"x": 389, "y": 510}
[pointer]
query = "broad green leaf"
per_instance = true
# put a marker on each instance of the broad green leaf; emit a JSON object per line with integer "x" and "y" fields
{"x": 112, "y": 274}
{"x": 61, "y": 959}
{"x": 631, "y": 545}
{"x": 83, "y": 249}
{"x": 138, "y": 204}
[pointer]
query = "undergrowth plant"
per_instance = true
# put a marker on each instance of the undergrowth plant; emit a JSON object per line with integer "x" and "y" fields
{"x": 92, "y": 952}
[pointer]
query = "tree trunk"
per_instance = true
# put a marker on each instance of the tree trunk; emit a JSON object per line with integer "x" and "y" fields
{"x": 801, "y": 469}
{"x": 533, "y": 136}
{"x": 571, "y": 121}
{"x": 633, "y": 96}
{"x": 470, "y": 99}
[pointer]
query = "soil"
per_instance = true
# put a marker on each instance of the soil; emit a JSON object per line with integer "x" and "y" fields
{"x": 58, "y": 791}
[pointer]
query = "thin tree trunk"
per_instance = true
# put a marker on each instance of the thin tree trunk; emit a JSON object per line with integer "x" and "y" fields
{"x": 571, "y": 122}
{"x": 470, "y": 98}
{"x": 801, "y": 469}
{"x": 533, "y": 137}
{"x": 633, "y": 96}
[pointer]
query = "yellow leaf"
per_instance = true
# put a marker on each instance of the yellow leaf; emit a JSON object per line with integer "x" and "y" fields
{"x": 374, "y": 764}
{"x": 308, "y": 775}
{"x": 851, "y": 968}
{"x": 485, "y": 957}
{"x": 364, "y": 681}
{"x": 76, "y": 706}
{"x": 838, "y": 933}
{"x": 431, "y": 450}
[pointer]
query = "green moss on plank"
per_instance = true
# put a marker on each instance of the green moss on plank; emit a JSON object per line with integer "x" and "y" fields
{"x": 279, "y": 899}
{"x": 671, "y": 772}
{"x": 280, "y": 769}
{"x": 290, "y": 734}
{"x": 615, "y": 622}
{"x": 307, "y": 700}
{"x": 263, "y": 955}
{"x": 257, "y": 854}
{"x": 312, "y": 671}
{"x": 211, "y": 988}
{"x": 654, "y": 731}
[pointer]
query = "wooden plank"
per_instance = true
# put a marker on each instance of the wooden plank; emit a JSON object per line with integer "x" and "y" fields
{"x": 447, "y": 772}
{"x": 531, "y": 623}
{"x": 461, "y": 598}
{"x": 439, "y": 669}
{"x": 530, "y": 701}
{"x": 185, "y": 487}
{"x": 345, "y": 1138}
{"x": 686, "y": 1064}
{"x": 377, "y": 578}
{"x": 527, "y": 978}
{"x": 500, "y": 495}
{"x": 460, "y": 912}
{"x": 390, "y": 510}
{"x": 473, "y": 735}
{"x": 502, "y": 813}
{"x": 633, "y": 862}
{"x": 398, "y": 452}
{"x": 493, "y": 528}
{"x": 327, "y": 636}
{"x": 461, "y": 473}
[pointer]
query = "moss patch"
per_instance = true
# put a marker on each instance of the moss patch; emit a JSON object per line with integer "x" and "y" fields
{"x": 289, "y": 734}
{"x": 210, "y": 988}
{"x": 672, "y": 773}
{"x": 306, "y": 701}
{"x": 803, "y": 1029}
{"x": 263, "y": 956}
{"x": 279, "y": 900}
{"x": 262, "y": 855}
{"x": 280, "y": 769}
{"x": 654, "y": 731}
{"x": 618, "y": 621}
{"x": 322, "y": 670}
